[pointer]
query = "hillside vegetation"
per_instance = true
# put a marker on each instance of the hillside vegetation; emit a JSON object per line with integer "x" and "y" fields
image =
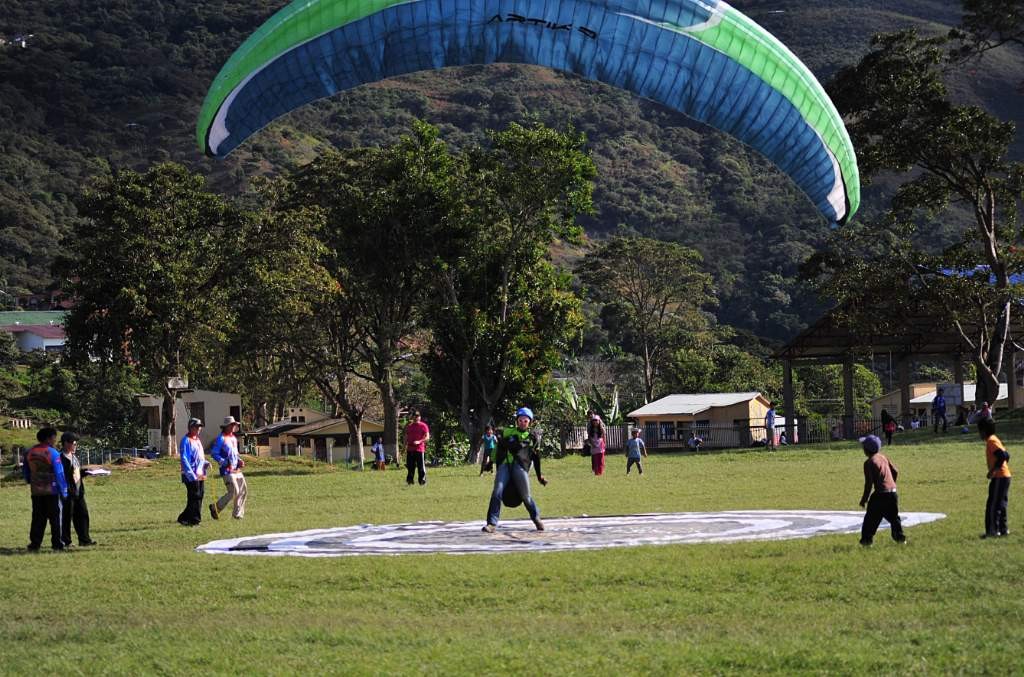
{"x": 106, "y": 84}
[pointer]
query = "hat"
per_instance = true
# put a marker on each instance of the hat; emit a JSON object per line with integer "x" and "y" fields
{"x": 871, "y": 443}
{"x": 525, "y": 411}
{"x": 68, "y": 437}
{"x": 228, "y": 420}
{"x": 195, "y": 422}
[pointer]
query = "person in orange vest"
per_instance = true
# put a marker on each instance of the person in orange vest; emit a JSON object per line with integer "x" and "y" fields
{"x": 44, "y": 472}
{"x": 997, "y": 459}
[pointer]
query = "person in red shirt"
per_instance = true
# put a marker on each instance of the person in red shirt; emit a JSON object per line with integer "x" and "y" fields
{"x": 416, "y": 435}
{"x": 998, "y": 480}
{"x": 879, "y": 474}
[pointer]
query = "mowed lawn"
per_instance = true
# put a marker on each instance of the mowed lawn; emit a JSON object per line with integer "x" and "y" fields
{"x": 144, "y": 602}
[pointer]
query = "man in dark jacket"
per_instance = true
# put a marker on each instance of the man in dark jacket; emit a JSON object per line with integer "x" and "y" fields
{"x": 73, "y": 510}
{"x": 43, "y": 471}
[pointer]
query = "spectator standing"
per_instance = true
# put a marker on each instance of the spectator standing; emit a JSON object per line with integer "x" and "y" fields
{"x": 417, "y": 434}
{"x": 635, "y": 449}
{"x": 490, "y": 447}
{"x": 193, "y": 474}
{"x": 888, "y": 426}
{"x": 596, "y": 435}
{"x": 939, "y": 410}
{"x": 225, "y": 452}
{"x": 44, "y": 472}
{"x": 379, "y": 460}
{"x": 998, "y": 462}
{"x": 695, "y": 442}
{"x": 769, "y": 427}
{"x": 74, "y": 511}
{"x": 880, "y": 475}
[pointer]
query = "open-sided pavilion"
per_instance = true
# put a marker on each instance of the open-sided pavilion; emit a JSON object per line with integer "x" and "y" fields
{"x": 920, "y": 336}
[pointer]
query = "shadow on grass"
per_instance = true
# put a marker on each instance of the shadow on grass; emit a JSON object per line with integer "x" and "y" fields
{"x": 13, "y": 552}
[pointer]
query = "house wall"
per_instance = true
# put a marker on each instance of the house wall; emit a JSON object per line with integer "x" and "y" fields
{"x": 677, "y": 427}
{"x": 286, "y": 444}
{"x": 891, "y": 400}
{"x": 210, "y": 406}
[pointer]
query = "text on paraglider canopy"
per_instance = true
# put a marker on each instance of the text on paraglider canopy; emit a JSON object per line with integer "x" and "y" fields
{"x": 543, "y": 23}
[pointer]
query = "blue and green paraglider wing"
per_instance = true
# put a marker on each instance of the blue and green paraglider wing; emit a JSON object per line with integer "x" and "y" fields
{"x": 700, "y": 57}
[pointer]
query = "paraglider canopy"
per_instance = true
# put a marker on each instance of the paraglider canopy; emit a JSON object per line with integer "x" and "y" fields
{"x": 700, "y": 57}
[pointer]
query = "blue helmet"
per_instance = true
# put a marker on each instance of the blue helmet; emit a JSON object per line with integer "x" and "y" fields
{"x": 525, "y": 411}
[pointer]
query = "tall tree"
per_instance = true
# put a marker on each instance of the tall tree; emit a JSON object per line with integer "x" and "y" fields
{"x": 902, "y": 120}
{"x": 500, "y": 314}
{"x": 658, "y": 291}
{"x": 147, "y": 266}
{"x": 281, "y": 282}
{"x": 389, "y": 217}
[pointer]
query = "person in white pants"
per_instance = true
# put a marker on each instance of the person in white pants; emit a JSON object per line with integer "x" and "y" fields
{"x": 225, "y": 452}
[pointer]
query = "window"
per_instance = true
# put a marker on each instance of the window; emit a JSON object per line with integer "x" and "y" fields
{"x": 197, "y": 410}
{"x": 668, "y": 430}
{"x": 235, "y": 411}
{"x": 151, "y": 417}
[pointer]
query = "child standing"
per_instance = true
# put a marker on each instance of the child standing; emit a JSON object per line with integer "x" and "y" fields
{"x": 379, "y": 460}
{"x": 879, "y": 474}
{"x": 634, "y": 448}
{"x": 998, "y": 480}
{"x": 490, "y": 444}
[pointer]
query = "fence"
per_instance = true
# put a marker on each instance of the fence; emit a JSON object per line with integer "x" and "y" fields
{"x": 712, "y": 437}
{"x": 805, "y": 431}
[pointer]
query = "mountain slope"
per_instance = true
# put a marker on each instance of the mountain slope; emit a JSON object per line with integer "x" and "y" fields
{"x": 104, "y": 84}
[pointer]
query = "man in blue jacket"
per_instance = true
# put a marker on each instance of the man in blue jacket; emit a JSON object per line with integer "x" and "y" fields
{"x": 193, "y": 474}
{"x": 44, "y": 471}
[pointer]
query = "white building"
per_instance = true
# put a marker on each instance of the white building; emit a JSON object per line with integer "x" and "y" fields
{"x": 29, "y": 337}
{"x": 207, "y": 405}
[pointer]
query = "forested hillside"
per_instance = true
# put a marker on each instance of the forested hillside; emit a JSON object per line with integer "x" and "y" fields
{"x": 104, "y": 83}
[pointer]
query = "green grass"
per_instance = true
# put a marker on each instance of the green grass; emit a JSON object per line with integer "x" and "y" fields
{"x": 144, "y": 602}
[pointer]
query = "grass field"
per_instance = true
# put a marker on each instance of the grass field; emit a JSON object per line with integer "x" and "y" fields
{"x": 144, "y": 602}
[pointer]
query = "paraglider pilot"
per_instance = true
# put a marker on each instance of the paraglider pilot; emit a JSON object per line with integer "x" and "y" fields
{"x": 517, "y": 450}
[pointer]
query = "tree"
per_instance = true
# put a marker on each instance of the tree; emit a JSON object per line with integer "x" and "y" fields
{"x": 390, "y": 214}
{"x": 500, "y": 314}
{"x": 901, "y": 119}
{"x": 147, "y": 266}
{"x": 987, "y": 25}
{"x": 659, "y": 291}
{"x": 9, "y": 353}
{"x": 281, "y": 282}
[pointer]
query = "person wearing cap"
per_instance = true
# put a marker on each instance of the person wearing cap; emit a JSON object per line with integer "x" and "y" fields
{"x": 193, "y": 474}
{"x": 879, "y": 474}
{"x": 225, "y": 452}
{"x": 416, "y": 436}
{"x": 44, "y": 472}
{"x": 517, "y": 449}
{"x": 74, "y": 510}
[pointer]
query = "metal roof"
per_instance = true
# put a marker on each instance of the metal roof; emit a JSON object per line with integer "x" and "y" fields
{"x": 10, "y": 318}
{"x": 692, "y": 403}
{"x": 969, "y": 391}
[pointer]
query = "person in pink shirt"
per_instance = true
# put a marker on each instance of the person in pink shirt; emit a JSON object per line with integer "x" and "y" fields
{"x": 416, "y": 436}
